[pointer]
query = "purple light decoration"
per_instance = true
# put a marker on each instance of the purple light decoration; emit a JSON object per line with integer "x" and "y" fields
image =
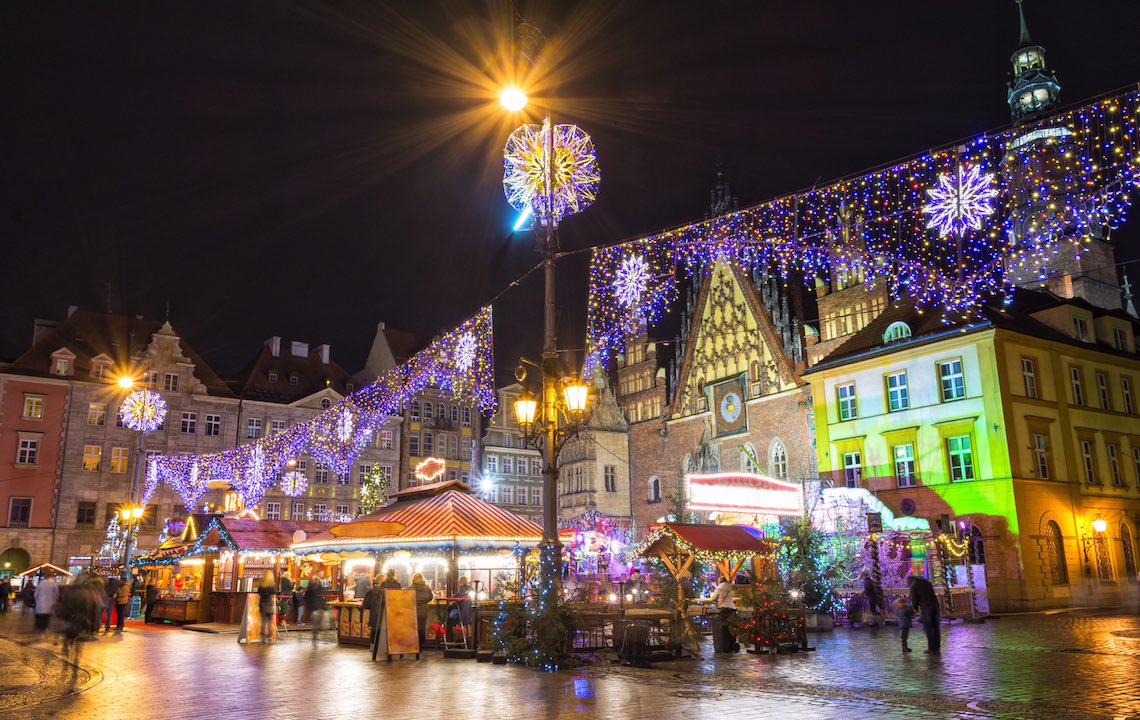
{"x": 1054, "y": 189}
{"x": 575, "y": 174}
{"x": 959, "y": 202}
{"x": 294, "y": 483}
{"x": 143, "y": 411}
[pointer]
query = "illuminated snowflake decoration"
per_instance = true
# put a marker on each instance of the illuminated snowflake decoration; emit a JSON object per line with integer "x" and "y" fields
{"x": 465, "y": 352}
{"x": 960, "y": 201}
{"x": 632, "y": 280}
{"x": 574, "y": 170}
{"x": 344, "y": 425}
{"x": 294, "y": 483}
{"x": 143, "y": 410}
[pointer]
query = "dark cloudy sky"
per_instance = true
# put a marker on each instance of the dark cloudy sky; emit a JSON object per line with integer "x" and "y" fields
{"x": 306, "y": 170}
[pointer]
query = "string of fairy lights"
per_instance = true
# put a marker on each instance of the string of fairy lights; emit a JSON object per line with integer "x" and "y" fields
{"x": 458, "y": 364}
{"x": 949, "y": 229}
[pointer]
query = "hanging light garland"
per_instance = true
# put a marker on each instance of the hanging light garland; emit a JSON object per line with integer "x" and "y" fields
{"x": 950, "y": 229}
{"x": 458, "y": 364}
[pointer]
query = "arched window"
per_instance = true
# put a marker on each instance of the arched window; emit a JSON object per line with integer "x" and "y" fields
{"x": 896, "y": 331}
{"x": 1129, "y": 553}
{"x": 427, "y": 411}
{"x": 778, "y": 460}
{"x": 454, "y": 413}
{"x": 749, "y": 459}
{"x": 1055, "y": 554}
{"x": 654, "y": 494}
{"x": 977, "y": 547}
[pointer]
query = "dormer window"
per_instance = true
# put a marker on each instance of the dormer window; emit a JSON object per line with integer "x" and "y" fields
{"x": 62, "y": 367}
{"x": 326, "y": 403}
{"x": 273, "y": 376}
{"x": 99, "y": 371}
{"x": 1081, "y": 329}
{"x": 895, "y": 332}
{"x": 294, "y": 380}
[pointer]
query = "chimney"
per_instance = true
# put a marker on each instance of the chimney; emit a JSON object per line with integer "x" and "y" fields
{"x": 274, "y": 345}
{"x": 300, "y": 349}
{"x": 380, "y": 325}
{"x": 41, "y": 328}
{"x": 324, "y": 351}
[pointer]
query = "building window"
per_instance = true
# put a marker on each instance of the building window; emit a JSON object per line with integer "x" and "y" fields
{"x": 536, "y": 496}
{"x": 522, "y": 496}
{"x": 341, "y": 510}
{"x": 466, "y": 416}
{"x": 1081, "y": 329}
{"x": 1041, "y": 455}
{"x": 414, "y": 444}
{"x": 363, "y": 471}
{"x": 1090, "y": 465}
{"x": 898, "y": 397}
{"x": 92, "y": 455}
{"x": 99, "y": 370}
{"x": 1136, "y": 461}
{"x": 253, "y": 428}
{"x": 62, "y": 367}
{"x": 454, "y": 413}
{"x": 953, "y": 383}
{"x": 896, "y": 331}
{"x": 1029, "y": 375}
{"x": 961, "y": 458}
{"x": 28, "y": 452}
{"x": 385, "y": 439}
{"x": 320, "y": 511}
{"x": 273, "y": 376}
{"x": 1075, "y": 381}
{"x": 385, "y": 474}
{"x": 610, "y": 473}
{"x": 19, "y": 512}
{"x": 1114, "y": 465}
{"x": 847, "y": 408}
{"x": 1055, "y": 554}
{"x": 1102, "y": 390}
{"x": 272, "y": 511}
{"x": 414, "y": 411}
{"x": 170, "y": 382}
{"x": 779, "y": 461}
{"x": 298, "y": 511}
{"x": 492, "y": 463}
{"x": 1128, "y": 552}
{"x": 349, "y": 388}
{"x": 1120, "y": 339}
{"x": 508, "y": 495}
{"x": 326, "y": 403}
{"x": 429, "y": 443}
{"x": 152, "y": 380}
{"x": 213, "y": 424}
{"x": 276, "y": 426}
{"x": 33, "y": 407}
{"x": 748, "y": 458}
{"x": 119, "y": 458}
{"x": 189, "y": 422}
{"x": 904, "y": 464}
{"x": 453, "y": 448}
{"x": 96, "y": 414}
{"x": 85, "y": 513}
{"x": 320, "y": 474}
{"x": 654, "y": 490}
{"x": 1126, "y": 392}
{"x": 428, "y": 409}
{"x": 294, "y": 380}
{"x": 852, "y": 469}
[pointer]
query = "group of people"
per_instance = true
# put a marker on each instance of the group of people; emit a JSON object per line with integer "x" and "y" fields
{"x": 84, "y": 605}
{"x": 375, "y": 601}
{"x": 311, "y": 598}
{"x": 923, "y": 603}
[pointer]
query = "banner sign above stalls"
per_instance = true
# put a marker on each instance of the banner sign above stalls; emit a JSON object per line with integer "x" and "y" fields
{"x": 744, "y": 493}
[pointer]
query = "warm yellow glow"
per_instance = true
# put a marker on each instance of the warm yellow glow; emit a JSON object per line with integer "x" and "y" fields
{"x": 513, "y": 98}
{"x": 576, "y": 392}
{"x": 526, "y": 407}
{"x": 1100, "y": 524}
{"x": 137, "y": 512}
{"x": 126, "y": 382}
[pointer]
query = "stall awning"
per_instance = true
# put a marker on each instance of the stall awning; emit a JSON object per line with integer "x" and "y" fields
{"x": 45, "y": 569}
{"x": 727, "y": 540}
{"x": 438, "y": 514}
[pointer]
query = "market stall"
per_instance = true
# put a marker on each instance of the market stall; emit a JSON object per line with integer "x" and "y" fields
{"x": 443, "y": 531}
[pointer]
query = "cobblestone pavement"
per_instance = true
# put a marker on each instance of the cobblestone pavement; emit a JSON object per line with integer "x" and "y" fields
{"x": 1059, "y": 666}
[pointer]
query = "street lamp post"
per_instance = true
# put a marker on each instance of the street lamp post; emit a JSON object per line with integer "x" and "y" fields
{"x": 142, "y": 411}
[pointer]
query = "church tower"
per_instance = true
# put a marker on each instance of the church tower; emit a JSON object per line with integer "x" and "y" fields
{"x": 1042, "y": 148}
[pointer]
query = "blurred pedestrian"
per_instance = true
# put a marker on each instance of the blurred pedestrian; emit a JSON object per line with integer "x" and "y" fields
{"x": 151, "y": 601}
{"x": 904, "y": 614}
{"x": 28, "y": 595}
{"x": 463, "y": 613}
{"x": 423, "y": 598}
{"x": 122, "y": 605}
{"x": 362, "y": 585}
{"x": 47, "y": 593}
{"x": 315, "y": 601}
{"x": 635, "y": 586}
{"x": 390, "y": 581}
{"x": 874, "y": 598}
{"x": 267, "y": 606}
{"x": 373, "y": 601}
{"x": 5, "y": 591}
{"x": 925, "y": 601}
{"x": 111, "y": 589}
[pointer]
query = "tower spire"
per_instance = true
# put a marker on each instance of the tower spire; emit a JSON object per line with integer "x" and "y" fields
{"x": 1024, "y": 40}
{"x": 1034, "y": 89}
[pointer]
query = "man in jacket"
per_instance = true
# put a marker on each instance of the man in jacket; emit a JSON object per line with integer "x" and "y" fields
{"x": 112, "y": 589}
{"x": 924, "y": 599}
{"x": 47, "y": 592}
{"x": 151, "y": 601}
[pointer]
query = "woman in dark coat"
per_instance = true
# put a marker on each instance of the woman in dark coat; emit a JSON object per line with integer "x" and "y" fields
{"x": 423, "y": 597}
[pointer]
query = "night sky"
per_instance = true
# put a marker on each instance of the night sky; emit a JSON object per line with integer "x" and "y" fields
{"x": 287, "y": 168}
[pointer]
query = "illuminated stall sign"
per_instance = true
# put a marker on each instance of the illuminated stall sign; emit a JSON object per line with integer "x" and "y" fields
{"x": 744, "y": 493}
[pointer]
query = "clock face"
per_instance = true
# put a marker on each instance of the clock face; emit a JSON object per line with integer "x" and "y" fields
{"x": 730, "y": 407}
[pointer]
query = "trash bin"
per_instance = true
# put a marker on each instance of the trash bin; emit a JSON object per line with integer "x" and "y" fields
{"x": 635, "y": 645}
{"x": 723, "y": 639}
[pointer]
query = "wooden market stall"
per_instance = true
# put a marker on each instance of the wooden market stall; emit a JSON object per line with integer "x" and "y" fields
{"x": 442, "y": 530}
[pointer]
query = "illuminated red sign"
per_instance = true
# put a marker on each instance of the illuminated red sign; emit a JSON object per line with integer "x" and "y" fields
{"x": 744, "y": 493}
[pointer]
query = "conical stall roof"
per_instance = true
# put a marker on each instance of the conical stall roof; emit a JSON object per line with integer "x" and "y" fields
{"x": 432, "y": 516}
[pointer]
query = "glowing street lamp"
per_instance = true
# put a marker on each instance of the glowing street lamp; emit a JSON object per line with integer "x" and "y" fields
{"x": 513, "y": 98}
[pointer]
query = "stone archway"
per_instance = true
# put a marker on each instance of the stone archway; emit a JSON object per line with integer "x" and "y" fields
{"x": 15, "y": 560}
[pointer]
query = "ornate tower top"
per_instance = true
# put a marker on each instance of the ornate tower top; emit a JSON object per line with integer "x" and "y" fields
{"x": 1034, "y": 89}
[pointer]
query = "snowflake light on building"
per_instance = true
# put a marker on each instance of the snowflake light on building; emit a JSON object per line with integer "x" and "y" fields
{"x": 960, "y": 201}
{"x": 344, "y": 424}
{"x": 465, "y": 352}
{"x": 294, "y": 483}
{"x": 573, "y": 167}
{"x": 143, "y": 410}
{"x": 632, "y": 279}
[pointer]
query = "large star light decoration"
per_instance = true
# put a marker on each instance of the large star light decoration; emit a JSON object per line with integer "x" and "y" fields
{"x": 143, "y": 410}
{"x": 960, "y": 201}
{"x": 632, "y": 280}
{"x": 573, "y": 167}
{"x": 465, "y": 352}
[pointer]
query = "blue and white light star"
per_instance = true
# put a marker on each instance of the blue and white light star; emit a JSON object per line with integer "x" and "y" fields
{"x": 960, "y": 201}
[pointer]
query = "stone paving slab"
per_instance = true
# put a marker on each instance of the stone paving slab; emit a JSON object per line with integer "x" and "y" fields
{"x": 1010, "y": 668}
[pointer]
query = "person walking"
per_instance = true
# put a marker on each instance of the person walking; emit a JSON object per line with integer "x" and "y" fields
{"x": 424, "y": 596}
{"x": 286, "y": 588}
{"x": 925, "y": 601}
{"x": 111, "y": 589}
{"x": 464, "y": 613}
{"x": 373, "y": 602}
{"x": 122, "y": 605}
{"x": 904, "y": 614}
{"x": 267, "y": 606}
{"x": 47, "y": 592}
{"x": 315, "y": 601}
{"x": 5, "y": 592}
{"x": 874, "y": 598}
{"x": 151, "y": 601}
{"x": 28, "y": 596}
